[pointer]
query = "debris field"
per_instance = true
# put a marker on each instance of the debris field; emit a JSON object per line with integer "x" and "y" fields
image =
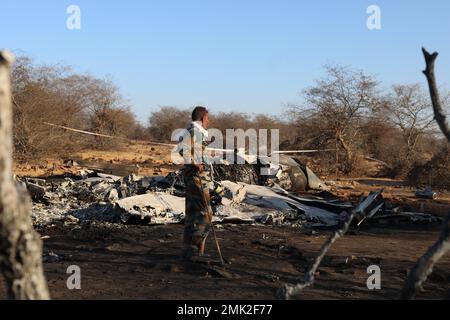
{"x": 125, "y": 233}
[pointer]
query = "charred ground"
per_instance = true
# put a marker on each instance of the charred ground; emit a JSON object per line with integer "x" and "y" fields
{"x": 142, "y": 262}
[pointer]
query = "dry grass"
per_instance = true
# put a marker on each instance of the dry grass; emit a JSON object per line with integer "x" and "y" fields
{"x": 148, "y": 160}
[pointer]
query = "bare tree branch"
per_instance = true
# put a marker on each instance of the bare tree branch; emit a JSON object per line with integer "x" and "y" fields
{"x": 439, "y": 113}
{"x": 288, "y": 291}
{"x": 424, "y": 266}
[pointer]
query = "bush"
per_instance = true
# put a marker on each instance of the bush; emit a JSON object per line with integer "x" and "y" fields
{"x": 435, "y": 173}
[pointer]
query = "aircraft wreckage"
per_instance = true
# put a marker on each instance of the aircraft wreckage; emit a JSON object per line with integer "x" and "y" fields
{"x": 247, "y": 197}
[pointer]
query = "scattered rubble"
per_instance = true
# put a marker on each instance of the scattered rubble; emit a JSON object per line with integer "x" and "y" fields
{"x": 369, "y": 206}
{"x": 426, "y": 193}
{"x": 155, "y": 208}
{"x": 262, "y": 197}
{"x": 289, "y": 174}
{"x": 92, "y": 195}
{"x": 414, "y": 217}
{"x": 51, "y": 257}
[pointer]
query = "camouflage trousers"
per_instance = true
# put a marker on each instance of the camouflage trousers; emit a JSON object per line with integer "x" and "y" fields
{"x": 197, "y": 223}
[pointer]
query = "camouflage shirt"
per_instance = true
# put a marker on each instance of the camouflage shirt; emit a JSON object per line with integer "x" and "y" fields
{"x": 193, "y": 150}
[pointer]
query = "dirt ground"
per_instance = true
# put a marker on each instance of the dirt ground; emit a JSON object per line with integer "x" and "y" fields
{"x": 142, "y": 262}
{"x": 140, "y": 158}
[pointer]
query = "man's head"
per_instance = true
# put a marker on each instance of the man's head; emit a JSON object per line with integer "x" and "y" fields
{"x": 201, "y": 114}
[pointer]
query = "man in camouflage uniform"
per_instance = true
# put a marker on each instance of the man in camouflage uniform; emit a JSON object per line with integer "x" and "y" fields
{"x": 197, "y": 178}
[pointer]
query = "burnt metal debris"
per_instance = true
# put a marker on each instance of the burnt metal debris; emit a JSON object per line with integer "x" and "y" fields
{"x": 246, "y": 198}
{"x": 426, "y": 193}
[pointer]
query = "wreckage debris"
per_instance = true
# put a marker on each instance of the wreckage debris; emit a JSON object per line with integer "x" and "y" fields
{"x": 334, "y": 205}
{"x": 155, "y": 207}
{"x": 414, "y": 217}
{"x": 37, "y": 192}
{"x": 161, "y": 199}
{"x": 426, "y": 193}
{"x": 246, "y": 173}
{"x": 297, "y": 177}
{"x": 264, "y": 197}
{"x": 369, "y": 206}
{"x": 51, "y": 257}
{"x": 289, "y": 174}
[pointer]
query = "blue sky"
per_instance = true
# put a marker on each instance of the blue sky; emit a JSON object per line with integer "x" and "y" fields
{"x": 248, "y": 55}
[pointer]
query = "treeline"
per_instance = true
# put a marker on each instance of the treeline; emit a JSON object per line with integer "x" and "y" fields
{"x": 56, "y": 94}
{"x": 347, "y": 111}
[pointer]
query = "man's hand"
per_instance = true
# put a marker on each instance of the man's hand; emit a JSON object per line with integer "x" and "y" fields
{"x": 200, "y": 167}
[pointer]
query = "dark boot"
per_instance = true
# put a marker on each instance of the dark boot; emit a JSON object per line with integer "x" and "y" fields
{"x": 189, "y": 252}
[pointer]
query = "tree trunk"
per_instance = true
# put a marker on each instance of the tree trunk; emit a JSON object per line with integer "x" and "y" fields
{"x": 20, "y": 245}
{"x": 348, "y": 153}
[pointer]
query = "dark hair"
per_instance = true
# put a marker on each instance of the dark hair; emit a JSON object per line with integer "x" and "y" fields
{"x": 198, "y": 113}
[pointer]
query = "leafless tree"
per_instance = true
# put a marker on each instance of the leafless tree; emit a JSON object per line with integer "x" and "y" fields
{"x": 412, "y": 114}
{"x": 38, "y": 97}
{"x": 340, "y": 101}
{"x": 163, "y": 122}
{"x": 49, "y": 93}
{"x": 20, "y": 245}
